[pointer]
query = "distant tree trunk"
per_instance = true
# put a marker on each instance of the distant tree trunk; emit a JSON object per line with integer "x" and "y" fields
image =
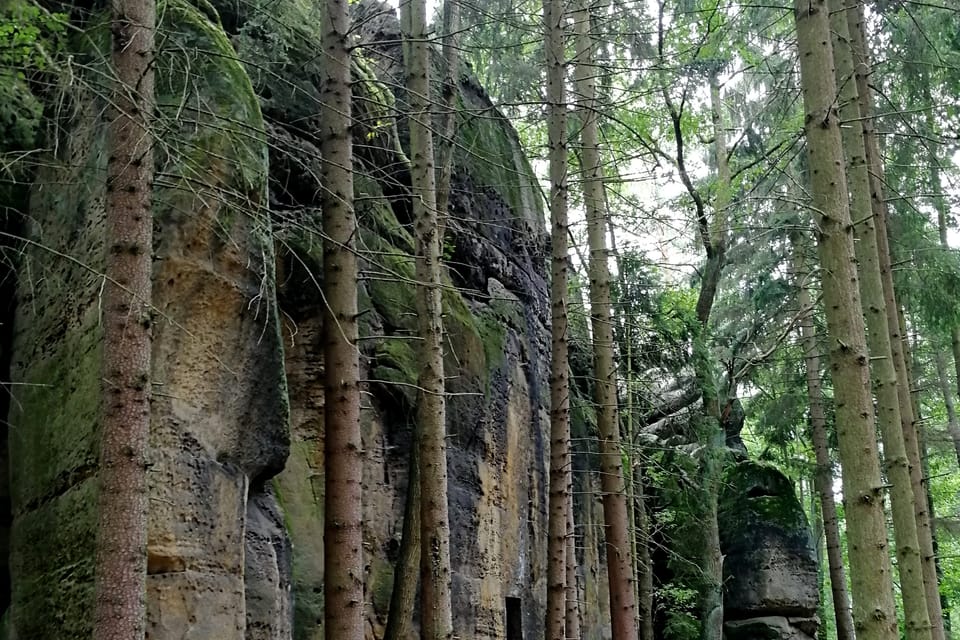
{"x": 644, "y": 563}
{"x": 916, "y": 619}
{"x": 710, "y": 432}
{"x": 573, "y": 594}
{"x": 121, "y": 556}
{"x": 874, "y": 613}
{"x": 857, "y": 31}
{"x": 944, "y": 600}
{"x": 560, "y": 477}
{"x": 616, "y": 526}
{"x": 953, "y": 427}
{"x": 343, "y": 467}
{"x": 823, "y": 478}
{"x": 436, "y": 617}
{"x": 405, "y": 573}
{"x": 940, "y": 205}
{"x": 448, "y": 104}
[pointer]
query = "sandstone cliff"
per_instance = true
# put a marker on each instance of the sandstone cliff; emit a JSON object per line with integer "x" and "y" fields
{"x": 236, "y": 462}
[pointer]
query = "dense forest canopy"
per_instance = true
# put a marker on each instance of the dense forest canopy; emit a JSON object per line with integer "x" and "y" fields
{"x": 512, "y": 319}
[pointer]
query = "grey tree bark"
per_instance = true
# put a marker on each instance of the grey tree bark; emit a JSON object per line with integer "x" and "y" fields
{"x": 436, "y": 618}
{"x": 823, "y": 477}
{"x": 406, "y": 572}
{"x": 916, "y": 619}
{"x": 857, "y": 31}
{"x": 874, "y": 613}
{"x": 560, "y": 478}
{"x": 616, "y": 527}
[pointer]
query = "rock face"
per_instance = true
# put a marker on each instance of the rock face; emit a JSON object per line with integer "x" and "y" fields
{"x": 236, "y": 463}
{"x": 220, "y": 417}
{"x": 770, "y": 566}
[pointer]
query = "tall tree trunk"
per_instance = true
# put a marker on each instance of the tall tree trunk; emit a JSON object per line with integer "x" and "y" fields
{"x": 121, "y": 556}
{"x": 916, "y": 619}
{"x": 560, "y": 477}
{"x": 711, "y": 435}
{"x": 940, "y": 206}
{"x": 405, "y": 573}
{"x": 644, "y": 562}
{"x": 874, "y": 613}
{"x": 639, "y": 526}
{"x": 857, "y": 31}
{"x": 343, "y": 514}
{"x": 436, "y": 617}
{"x": 944, "y": 600}
{"x": 572, "y": 592}
{"x": 953, "y": 427}
{"x": 823, "y": 478}
{"x": 448, "y": 99}
{"x": 616, "y": 534}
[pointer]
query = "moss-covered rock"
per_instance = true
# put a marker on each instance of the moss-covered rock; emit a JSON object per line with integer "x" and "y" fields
{"x": 219, "y": 411}
{"x": 770, "y": 566}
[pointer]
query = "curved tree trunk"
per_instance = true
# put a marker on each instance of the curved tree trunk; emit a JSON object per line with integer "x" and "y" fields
{"x": 857, "y": 31}
{"x": 872, "y": 588}
{"x": 343, "y": 514}
{"x": 436, "y": 618}
{"x": 616, "y": 534}
{"x": 121, "y": 556}
{"x": 823, "y": 478}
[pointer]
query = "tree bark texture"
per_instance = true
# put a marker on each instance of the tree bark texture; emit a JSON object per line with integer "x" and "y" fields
{"x": 343, "y": 461}
{"x": 406, "y": 572}
{"x": 916, "y": 619}
{"x": 644, "y": 562}
{"x": 953, "y": 427}
{"x": 872, "y": 587}
{"x": 572, "y": 623}
{"x": 448, "y": 104}
{"x": 616, "y": 534}
{"x": 560, "y": 477}
{"x": 857, "y": 32}
{"x": 436, "y": 619}
{"x": 823, "y": 477}
{"x": 121, "y": 557}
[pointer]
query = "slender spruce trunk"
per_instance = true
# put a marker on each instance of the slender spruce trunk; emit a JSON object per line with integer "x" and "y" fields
{"x": 940, "y": 206}
{"x": 953, "y": 427}
{"x": 925, "y": 460}
{"x": 916, "y": 619}
{"x": 572, "y": 622}
{"x": 121, "y": 555}
{"x": 823, "y": 477}
{"x": 857, "y": 32}
{"x": 644, "y": 562}
{"x": 450, "y": 91}
{"x": 616, "y": 527}
{"x": 343, "y": 462}
{"x": 874, "y": 613}
{"x": 560, "y": 477}
{"x": 405, "y": 573}
{"x": 436, "y": 618}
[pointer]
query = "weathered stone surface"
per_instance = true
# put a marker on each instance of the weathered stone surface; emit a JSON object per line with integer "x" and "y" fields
{"x": 772, "y": 628}
{"x": 219, "y": 422}
{"x": 770, "y": 566}
{"x": 220, "y": 562}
